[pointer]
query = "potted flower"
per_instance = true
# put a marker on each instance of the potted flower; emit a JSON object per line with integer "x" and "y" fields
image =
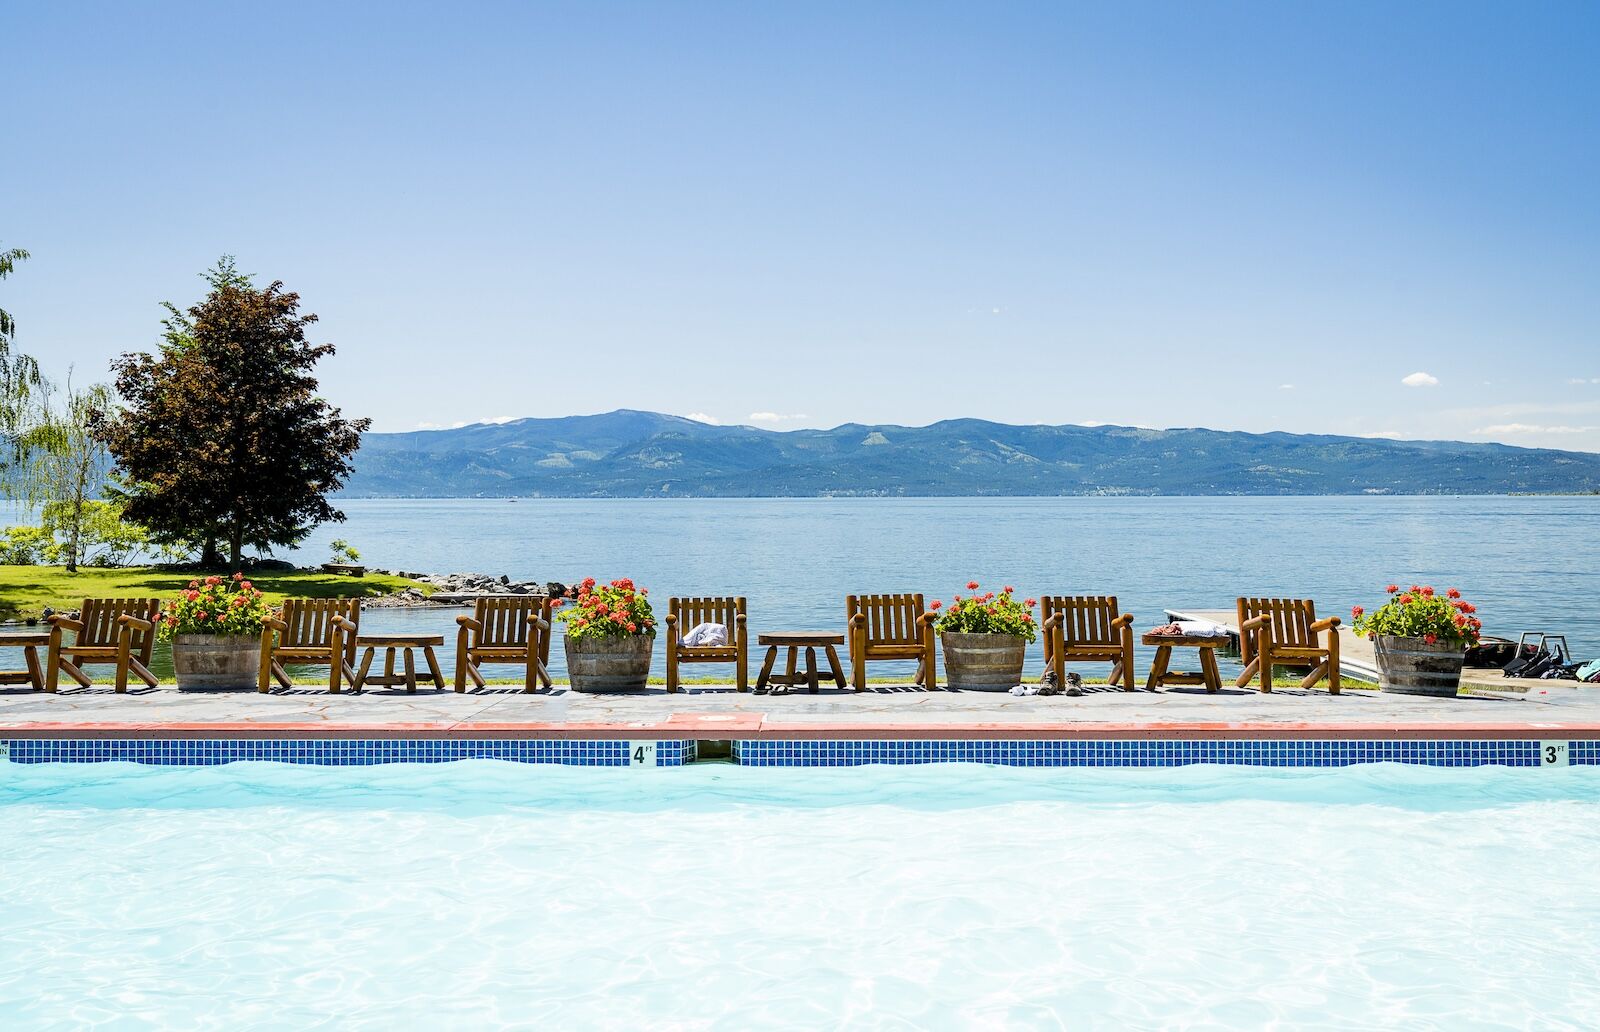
{"x": 1420, "y": 638}
{"x": 610, "y": 635}
{"x": 984, "y": 638}
{"x": 215, "y": 627}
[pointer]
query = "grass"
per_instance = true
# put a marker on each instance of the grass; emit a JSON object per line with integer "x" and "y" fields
{"x": 26, "y": 590}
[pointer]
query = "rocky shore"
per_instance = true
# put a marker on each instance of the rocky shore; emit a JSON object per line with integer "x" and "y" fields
{"x": 456, "y": 589}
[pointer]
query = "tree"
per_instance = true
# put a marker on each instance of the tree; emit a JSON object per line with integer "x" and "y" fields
{"x": 19, "y": 379}
{"x": 223, "y": 437}
{"x": 67, "y": 462}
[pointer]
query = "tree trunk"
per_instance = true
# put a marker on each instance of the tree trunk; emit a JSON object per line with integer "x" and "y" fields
{"x": 235, "y": 547}
{"x": 210, "y": 558}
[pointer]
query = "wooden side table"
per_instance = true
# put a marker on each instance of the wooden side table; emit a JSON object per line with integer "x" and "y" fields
{"x": 1161, "y": 676}
{"x": 794, "y": 641}
{"x": 404, "y": 644}
{"x": 30, "y": 642}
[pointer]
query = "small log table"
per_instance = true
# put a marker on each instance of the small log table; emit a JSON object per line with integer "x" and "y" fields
{"x": 404, "y": 643}
{"x": 794, "y": 641}
{"x": 30, "y": 642}
{"x": 1160, "y": 676}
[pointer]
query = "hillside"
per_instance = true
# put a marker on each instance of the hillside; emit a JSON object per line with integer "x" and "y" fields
{"x": 628, "y": 454}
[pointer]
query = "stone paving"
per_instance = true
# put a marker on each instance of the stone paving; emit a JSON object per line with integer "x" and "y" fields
{"x": 1562, "y": 702}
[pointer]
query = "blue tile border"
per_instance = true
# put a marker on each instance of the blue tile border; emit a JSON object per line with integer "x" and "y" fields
{"x": 1075, "y": 752}
{"x": 342, "y": 752}
{"x": 1153, "y": 752}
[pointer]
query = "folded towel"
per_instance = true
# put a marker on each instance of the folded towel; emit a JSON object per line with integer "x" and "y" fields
{"x": 705, "y": 635}
{"x": 1202, "y": 629}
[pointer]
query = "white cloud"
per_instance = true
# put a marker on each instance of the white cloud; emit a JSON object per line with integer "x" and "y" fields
{"x": 1285, "y": 386}
{"x": 1420, "y": 380}
{"x": 774, "y": 417}
{"x": 1500, "y": 429}
{"x": 429, "y": 426}
{"x": 1579, "y": 379}
{"x": 500, "y": 420}
{"x": 701, "y": 417}
{"x": 1383, "y": 435}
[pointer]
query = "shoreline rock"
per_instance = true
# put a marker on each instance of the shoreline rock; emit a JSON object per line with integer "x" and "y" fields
{"x": 459, "y": 589}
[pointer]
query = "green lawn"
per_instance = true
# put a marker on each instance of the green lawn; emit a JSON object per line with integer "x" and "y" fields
{"x": 26, "y": 590}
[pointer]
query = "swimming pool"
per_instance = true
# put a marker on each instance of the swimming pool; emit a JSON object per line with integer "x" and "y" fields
{"x": 711, "y": 896}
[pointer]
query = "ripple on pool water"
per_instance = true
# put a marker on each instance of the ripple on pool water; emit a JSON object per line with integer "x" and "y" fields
{"x": 482, "y": 893}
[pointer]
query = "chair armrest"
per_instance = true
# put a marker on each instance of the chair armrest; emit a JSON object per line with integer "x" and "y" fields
{"x": 344, "y": 625}
{"x": 741, "y": 619}
{"x": 65, "y": 622}
{"x": 540, "y": 622}
{"x": 1325, "y": 624}
{"x": 1052, "y": 623}
{"x": 858, "y": 621}
{"x": 469, "y": 623}
{"x": 275, "y": 624}
{"x": 1254, "y": 622}
{"x": 672, "y": 619}
{"x": 136, "y": 623}
{"x": 1125, "y": 620}
{"x": 929, "y": 618}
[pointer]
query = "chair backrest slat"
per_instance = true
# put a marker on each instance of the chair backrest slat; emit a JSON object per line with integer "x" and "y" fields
{"x": 100, "y": 618}
{"x": 891, "y": 619}
{"x": 310, "y": 621}
{"x": 1290, "y": 620}
{"x": 505, "y": 619}
{"x": 1085, "y": 619}
{"x": 721, "y": 609}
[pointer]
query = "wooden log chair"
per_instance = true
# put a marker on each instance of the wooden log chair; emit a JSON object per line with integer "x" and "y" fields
{"x": 1286, "y": 632}
{"x": 682, "y": 616}
{"x": 1087, "y": 629}
{"x": 505, "y": 629}
{"x": 311, "y": 632}
{"x": 108, "y": 630}
{"x": 890, "y": 627}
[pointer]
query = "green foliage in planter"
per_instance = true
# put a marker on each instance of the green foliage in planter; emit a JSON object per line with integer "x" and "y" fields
{"x": 988, "y": 614}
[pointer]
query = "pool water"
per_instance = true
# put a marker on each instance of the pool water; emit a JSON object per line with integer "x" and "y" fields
{"x": 482, "y": 893}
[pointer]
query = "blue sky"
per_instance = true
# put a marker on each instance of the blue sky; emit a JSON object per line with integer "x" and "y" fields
{"x": 1246, "y": 216}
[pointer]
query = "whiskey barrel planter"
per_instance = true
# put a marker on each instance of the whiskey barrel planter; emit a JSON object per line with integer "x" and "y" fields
{"x": 609, "y": 664}
{"x": 982, "y": 662}
{"x": 216, "y": 661}
{"x": 1410, "y": 666}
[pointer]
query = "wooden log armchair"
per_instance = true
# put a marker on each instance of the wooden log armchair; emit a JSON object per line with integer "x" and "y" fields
{"x": 1286, "y": 632}
{"x": 120, "y": 631}
{"x": 890, "y": 627}
{"x": 682, "y": 616}
{"x": 1087, "y": 629}
{"x": 505, "y": 629}
{"x": 311, "y": 632}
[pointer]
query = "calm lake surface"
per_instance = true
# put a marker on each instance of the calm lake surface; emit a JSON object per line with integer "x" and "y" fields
{"x": 1528, "y": 563}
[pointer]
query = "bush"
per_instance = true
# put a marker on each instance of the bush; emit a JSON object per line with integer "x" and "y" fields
{"x": 988, "y": 614}
{"x": 1420, "y": 612}
{"x": 24, "y": 546}
{"x": 614, "y": 610}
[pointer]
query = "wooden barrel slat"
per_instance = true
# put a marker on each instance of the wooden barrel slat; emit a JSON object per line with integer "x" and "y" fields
{"x": 985, "y": 662}
{"x": 609, "y": 664}
{"x": 1410, "y": 666}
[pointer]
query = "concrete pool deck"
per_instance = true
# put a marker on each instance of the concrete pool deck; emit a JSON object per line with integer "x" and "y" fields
{"x": 1557, "y": 710}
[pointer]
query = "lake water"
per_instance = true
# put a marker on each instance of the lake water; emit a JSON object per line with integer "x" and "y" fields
{"x": 1529, "y": 563}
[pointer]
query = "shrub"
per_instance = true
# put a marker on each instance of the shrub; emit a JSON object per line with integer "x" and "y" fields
{"x": 24, "y": 546}
{"x": 215, "y": 606}
{"x": 613, "y": 610}
{"x": 988, "y": 614}
{"x": 1420, "y": 612}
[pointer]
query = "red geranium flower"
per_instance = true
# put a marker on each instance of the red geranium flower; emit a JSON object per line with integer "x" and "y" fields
{"x": 1356, "y": 611}
{"x": 972, "y": 585}
{"x": 936, "y": 605}
{"x": 1405, "y": 599}
{"x": 1009, "y": 589}
{"x": 1453, "y": 592}
{"x": 1391, "y": 589}
{"x": 1430, "y": 639}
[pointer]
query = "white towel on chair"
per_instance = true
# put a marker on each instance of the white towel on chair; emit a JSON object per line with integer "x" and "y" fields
{"x": 1202, "y": 629}
{"x": 706, "y": 635}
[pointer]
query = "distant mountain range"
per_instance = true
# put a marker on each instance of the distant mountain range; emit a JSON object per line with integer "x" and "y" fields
{"x": 628, "y": 454}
